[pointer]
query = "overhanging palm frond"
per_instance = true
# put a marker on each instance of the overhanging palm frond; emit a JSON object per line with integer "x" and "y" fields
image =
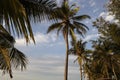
{"x": 15, "y": 18}
{"x": 38, "y": 9}
{"x": 5, "y": 64}
{"x": 10, "y": 57}
{"x": 6, "y": 41}
{"x": 18, "y": 59}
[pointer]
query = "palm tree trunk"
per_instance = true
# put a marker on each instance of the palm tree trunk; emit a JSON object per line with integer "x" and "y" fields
{"x": 81, "y": 72}
{"x": 66, "y": 60}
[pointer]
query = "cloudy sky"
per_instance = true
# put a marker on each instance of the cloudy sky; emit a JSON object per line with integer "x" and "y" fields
{"x": 46, "y": 58}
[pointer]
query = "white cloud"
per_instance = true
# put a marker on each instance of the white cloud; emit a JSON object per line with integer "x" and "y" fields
{"x": 40, "y": 38}
{"x": 91, "y": 37}
{"x": 107, "y": 16}
{"x": 50, "y": 66}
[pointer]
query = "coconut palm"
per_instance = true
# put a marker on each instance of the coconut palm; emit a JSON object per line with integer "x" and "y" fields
{"x": 68, "y": 23}
{"x": 105, "y": 61}
{"x": 17, "y": 13}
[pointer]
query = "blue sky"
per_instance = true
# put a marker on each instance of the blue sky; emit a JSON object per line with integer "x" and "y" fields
{"x": 46, "y": 58}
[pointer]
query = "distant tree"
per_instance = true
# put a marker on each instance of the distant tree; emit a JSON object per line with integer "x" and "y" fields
{"x": 108, "y": 30}
{"x": 114, "y": 7}
{"x": 68, "y": 22}
{"x": 104, "y": 63}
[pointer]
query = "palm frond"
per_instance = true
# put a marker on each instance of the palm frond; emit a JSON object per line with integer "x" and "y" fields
{"x": 18, "y": 59}
{"x": 5, "y": 64}
{"x": 6, "y": 41}
{"x": 3, "y": 30}
{"x": 16, "y": 16}
{"x": 81, "y": 25}
{"x": 58, "y": 14}
{"x": 81, "y": 17}
{"x": 38, "y": 9}
{"x": 54, "y": 26}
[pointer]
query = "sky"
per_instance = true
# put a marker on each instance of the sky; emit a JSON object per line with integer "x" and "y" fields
{"x": 47, "y": 56}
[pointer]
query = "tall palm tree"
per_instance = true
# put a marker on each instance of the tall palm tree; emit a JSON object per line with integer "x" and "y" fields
{"x": 68, "y": 23}
{"x": 9, "y": 55}
{"x": 17, "y": 14}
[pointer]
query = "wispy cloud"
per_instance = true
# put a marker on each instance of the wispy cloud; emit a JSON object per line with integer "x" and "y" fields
{"x": 91, "y": 37}
{"x": 92, "y": 3}
{"x": 40, "y": 38}
{"x": 50, "y": 66}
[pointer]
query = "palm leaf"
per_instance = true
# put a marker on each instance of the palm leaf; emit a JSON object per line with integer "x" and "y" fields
{"x": 81, "y": 17}
{"x": 5, "y": 61}
{"x": 54, "y": 26}
{"x": 18, "y": 59}
{"x": 2, "y": 29}
{"x": 38, "y": 9}
{"x": 80, "y": 25}
{"x": 16, "y": 16}
{"x": 6, "y": 41}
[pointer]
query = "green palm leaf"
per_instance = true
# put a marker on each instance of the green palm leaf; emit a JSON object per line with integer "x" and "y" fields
{"x": 38, "y": 9}
{"x": 54, "y": 26}
{"x": 81, "y": 25}
{"x": 81, "y": 17}
{"x": 18, "y": 59}
{"x": 16, "y": 16}
{"x": 5, "y": 61}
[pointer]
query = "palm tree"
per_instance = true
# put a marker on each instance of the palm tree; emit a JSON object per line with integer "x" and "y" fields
{"x": 68, "y": 22}
{"x": 17, "y": 14}
{"x": 9, "y": 55}
{"x": 105, "y": 61}
{"x": 78, "y": 49}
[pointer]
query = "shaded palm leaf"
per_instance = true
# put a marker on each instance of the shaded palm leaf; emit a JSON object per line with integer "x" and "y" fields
{"x": 5, "y": 61}
{"x": 54, "y": 26}
{"x": 81, "y": 17}
{"x": 38, "y": 9}
{"x": 6, "y": 41}
{"x": 18, "y": 59}
{"x": 15, "y": 16}
{"x": 81, "y": 25}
